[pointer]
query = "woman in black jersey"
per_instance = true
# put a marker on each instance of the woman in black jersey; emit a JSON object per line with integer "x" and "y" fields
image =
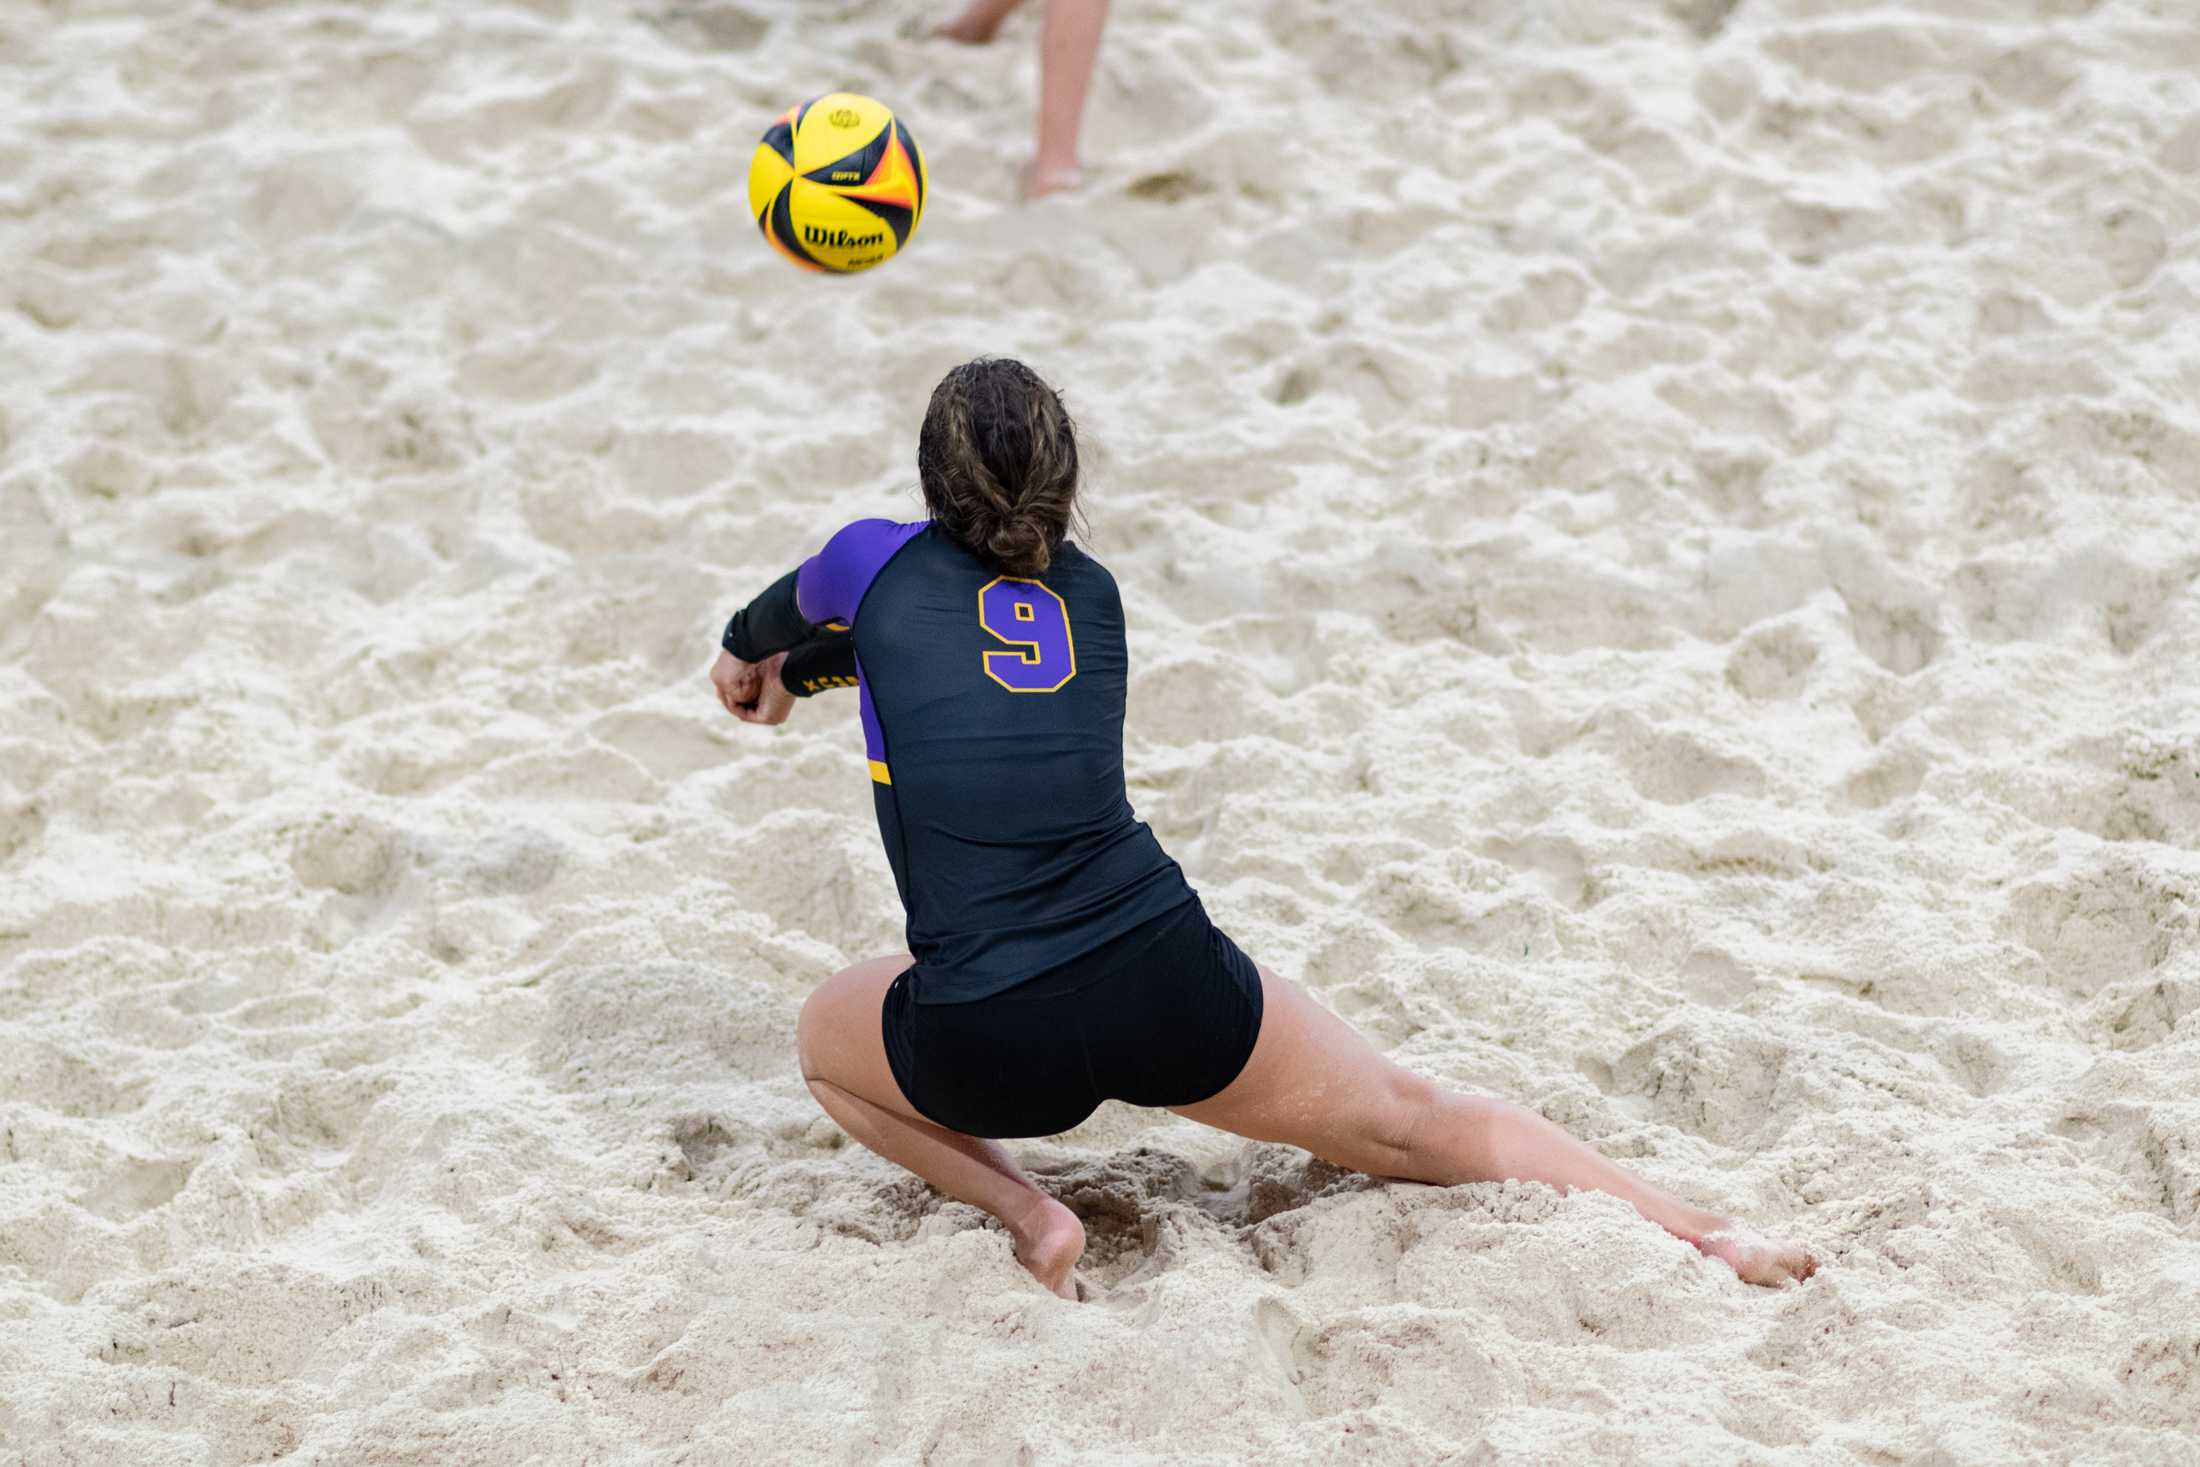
{"x": 1057, "y": 957}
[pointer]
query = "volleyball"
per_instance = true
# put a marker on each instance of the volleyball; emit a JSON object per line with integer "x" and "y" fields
{"x": 837, "y": 184}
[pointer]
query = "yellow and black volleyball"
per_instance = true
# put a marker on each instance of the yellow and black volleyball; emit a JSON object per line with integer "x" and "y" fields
{"x": 837, "y": 184}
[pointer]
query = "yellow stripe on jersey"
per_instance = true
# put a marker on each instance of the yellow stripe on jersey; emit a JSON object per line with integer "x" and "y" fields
{"x": 879, "y": 774}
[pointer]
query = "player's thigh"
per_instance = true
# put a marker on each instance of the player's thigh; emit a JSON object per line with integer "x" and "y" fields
{"x": 840, "y": 1038}
{"x": 1315, "y": 1083}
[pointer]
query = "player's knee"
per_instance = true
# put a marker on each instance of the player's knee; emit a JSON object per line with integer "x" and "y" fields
{"x": 1396, "y": 1122}
{"x": 809, "y": 1030}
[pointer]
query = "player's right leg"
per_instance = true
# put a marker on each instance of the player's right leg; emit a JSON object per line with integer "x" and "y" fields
{"x": 843, "y": 1057}
{"x": 1315, "y": 1083}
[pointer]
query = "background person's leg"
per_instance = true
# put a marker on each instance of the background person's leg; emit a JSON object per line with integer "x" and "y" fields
{"x": 843, "y": 1055}
{"x": 1314, "y": 1082}
{"x": 979, "y": 20}
{"x": 1069, "y": 41}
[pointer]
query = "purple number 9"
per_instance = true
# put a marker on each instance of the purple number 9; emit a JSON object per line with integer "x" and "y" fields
{"x": 1034, "y": 621}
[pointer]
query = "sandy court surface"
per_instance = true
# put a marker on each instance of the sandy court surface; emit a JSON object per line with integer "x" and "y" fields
{"x": 1661, "y": 550}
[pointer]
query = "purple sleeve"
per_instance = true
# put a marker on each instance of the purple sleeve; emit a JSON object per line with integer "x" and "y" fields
{"x": 831, "y": 583}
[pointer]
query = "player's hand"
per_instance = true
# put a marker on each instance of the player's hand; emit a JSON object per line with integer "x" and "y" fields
{"x": 773, "y": 702}
{"x": 736, "y": 681}
{"x": 752, "y": 691}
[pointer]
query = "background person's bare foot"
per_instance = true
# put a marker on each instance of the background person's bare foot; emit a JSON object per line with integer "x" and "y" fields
{"x": 1041, "y": 179}
{"x": 976, "y": 25}
{"x": 1049, "y": 1242}
{"x": 1758, "y": 1259}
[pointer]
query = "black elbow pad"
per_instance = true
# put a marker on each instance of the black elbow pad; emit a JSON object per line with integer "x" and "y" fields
{"x": 770, "y": 624}
{"x": 827, "y": 660}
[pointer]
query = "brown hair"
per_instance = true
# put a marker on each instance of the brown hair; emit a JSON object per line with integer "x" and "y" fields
{"x": 997, "y": 456}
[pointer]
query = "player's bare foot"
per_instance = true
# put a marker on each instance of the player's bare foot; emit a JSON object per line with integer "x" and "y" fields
{"x": 963, "y": 30}
{"x": 976, "y": 25}
{"x": 1049, "y": 1241}
{"x": 1041, "y": 179}
{"x": 1758, "y": 1259}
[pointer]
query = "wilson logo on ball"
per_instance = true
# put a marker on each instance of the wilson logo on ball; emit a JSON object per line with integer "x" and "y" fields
{"x": 839, "y": 239}
{"x": 826, "y": 205}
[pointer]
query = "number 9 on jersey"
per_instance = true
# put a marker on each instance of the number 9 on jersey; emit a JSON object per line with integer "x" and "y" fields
{"x": 1034, "y": 622}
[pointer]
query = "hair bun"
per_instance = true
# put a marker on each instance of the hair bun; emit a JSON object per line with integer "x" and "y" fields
{"x": 1022, "y": 545}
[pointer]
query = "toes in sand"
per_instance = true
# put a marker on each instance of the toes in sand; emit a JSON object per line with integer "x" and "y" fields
{"x": 1759, "y": 1259}
{"x": 1050, "y": 1247}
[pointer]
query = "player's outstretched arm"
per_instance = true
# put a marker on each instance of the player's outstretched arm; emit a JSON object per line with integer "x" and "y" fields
{"x": 764, "y": 692}
{"x": 800, "y": 626}
{"x": 770, "y": 654}
{"x": 753, "y": 650}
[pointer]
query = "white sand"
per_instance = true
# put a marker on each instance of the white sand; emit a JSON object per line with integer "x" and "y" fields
{"x": 1662, "y": 570}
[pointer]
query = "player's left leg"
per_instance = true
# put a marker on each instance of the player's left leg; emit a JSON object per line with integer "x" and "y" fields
{"x": 1313, "y": 1082}
{"x": 843, "y": 1055}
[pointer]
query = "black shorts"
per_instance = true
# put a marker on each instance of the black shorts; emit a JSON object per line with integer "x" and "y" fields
{"x": 1166, "y": 1014}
